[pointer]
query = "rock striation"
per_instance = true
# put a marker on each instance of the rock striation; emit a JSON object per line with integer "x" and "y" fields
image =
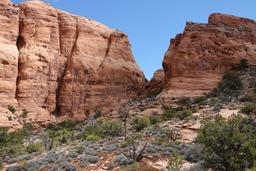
{"x": 197, "y": 58}
{"x": 55, "y": 63}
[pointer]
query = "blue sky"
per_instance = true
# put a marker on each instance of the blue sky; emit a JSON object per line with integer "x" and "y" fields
{"x": 151, "y": 23}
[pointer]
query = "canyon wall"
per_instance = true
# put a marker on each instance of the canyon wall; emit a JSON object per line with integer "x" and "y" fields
{"x": 154, "y": 86}
{"x": 197, "y": 58}
{"x": 55, "y": 63}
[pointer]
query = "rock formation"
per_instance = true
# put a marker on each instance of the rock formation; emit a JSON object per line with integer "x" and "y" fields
{"x": 55, "y": 63}
{"x": 156, "y": 84}
{"x": 197, "y": 58}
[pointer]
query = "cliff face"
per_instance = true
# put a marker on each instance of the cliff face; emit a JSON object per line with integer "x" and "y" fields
{"x": 156, "y": 84}
{"x": 197, "y": 58}
{"x": 52, "y": 62}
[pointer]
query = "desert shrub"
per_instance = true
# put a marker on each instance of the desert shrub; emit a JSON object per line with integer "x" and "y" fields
{"x": 135, "y": 148}
{"x": 177, "y": 113}
{"x": 254, "y": 91}
{"x": 23, "y": 165}
{"x": 193, "y": 153}
{"x": 11, "y": 109}
{"x": 24, "y": 113}
{"x": 246, "y": 98}
{"x": 175, "y": 162}
{"x": 61, "y": 133}
{"x": 243, "y": 64}
{"x": 12, "y": 143}
{"x": 197, "y": 167}
{"x": 132, "y": 167}
{"x": 111, "y": 128}
{"x": 27, "y": 127}
{"x": 107, "y": 128}
{"x": 9, "y": 118}
{"x": 1, "y": 164}
{"x": 200, "y": 100}
{"x": 168, "y": 136}
{"x": 230, "y": 84}
{"x": 34, "y": 147}
{"x": 229, "y": 145}
{"x": 61, "y": 136}
{"x": 3, "y": 136}
{"x": 213, "y": 93}
{"x": 68, "y": 124}
{"x": 98, "y": 112}
{"x": 91, "y": 130}
{"x": 124, "y": 116}
{"x": 140, "y": 122}
{"x": 184, "y": 114}
{"x": 248, "y": 108}
{"x": 169, "y": 113}
{"x": 51, "y": 126}
{"x": 185, "y": 102}
{"x": 154, "y": 120}
{"x": 93, "y": 138}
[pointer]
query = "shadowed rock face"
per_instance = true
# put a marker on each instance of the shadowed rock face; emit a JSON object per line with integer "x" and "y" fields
{"x": 156, "y": 84}
{"x": 52, "y": 62}
{"x": 197, "y": 58}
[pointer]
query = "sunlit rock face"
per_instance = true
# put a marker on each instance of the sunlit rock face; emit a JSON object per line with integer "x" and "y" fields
{"x": 55, "y": 63}
{"x": 197, "y": 58}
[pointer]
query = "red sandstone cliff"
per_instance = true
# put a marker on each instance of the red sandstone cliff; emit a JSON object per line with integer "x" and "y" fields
{"x": 55, "y": 63}
{"x": 197, "y": 58}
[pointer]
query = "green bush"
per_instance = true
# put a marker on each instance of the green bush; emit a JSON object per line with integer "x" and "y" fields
{"x": 93, "y": 138}
{"x": 107, "y": 128}
{"x": 12, "y": 143}
{"x": 169, "y": 113}
{"x": 140, "y": 122}
{"x": 62, "y": 136}
{"x": 248, "y": 108}
{"x": 27, "y": 127}
{"x": 34, "y": 147}
{"x": 61, "y": 133}
{"x": 168, "y": 137}
{"x": 154, "y": 120}
{"x": 132, "y": 167}
{"x": 1, "y": 164}
{"x": 200, "y": 100}
{"x": 176, "y": 113}
{"x": 90, "y": 130}
{"x": 111, "y": 128}
{"x": 230, "y": 84}
{"x": 184, "y": 114}
{"x": 24, "y": 113}
{"x": 11, "y": 109}
{"x": 175, "y": 162}
{"x": 243, "y": 64}
{"x": 229, "y": 145}
{"x": 246, "y": 98}
{"x": 23, "y": 165}
{"x": 9, "y": 118}
{"x": 185, "y": 102}
{"x": 68, "y": 124}
{"x": 98, "y": 112}
{"x": 3, "y": 136}
{"x": 254, "y": 91}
